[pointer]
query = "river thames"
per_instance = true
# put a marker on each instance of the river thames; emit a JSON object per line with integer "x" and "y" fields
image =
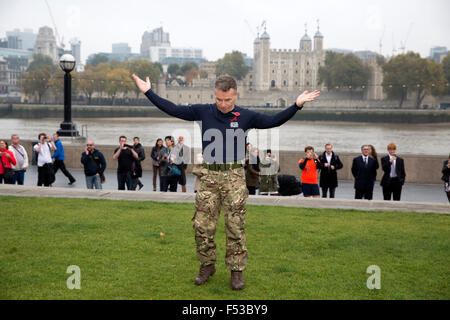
{"x": 426, "y": 139}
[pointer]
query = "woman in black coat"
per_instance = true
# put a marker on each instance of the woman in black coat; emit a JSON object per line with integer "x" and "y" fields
{"x": 328, "y": 173}
{"x": 446, "y": 176}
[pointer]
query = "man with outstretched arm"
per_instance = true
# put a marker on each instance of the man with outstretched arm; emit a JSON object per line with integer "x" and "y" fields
{"x": 224, "y": 129}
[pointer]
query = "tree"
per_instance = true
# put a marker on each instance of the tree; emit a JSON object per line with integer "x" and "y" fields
{"x": 232, "y": 64}
{"x": 36, "y": 82}
{"x": 118, "y": 81}
{"x": 446, "y": 70}
{"x": 87, "y": 80}
{"x": 143, "y": 68}
{"x": 97, "y": 59}
{"x": 159, "y": 66}
{"x": 343, "y": 71}
{"x": 188, "y": 66}
{"x": 40, "y": 61}
{"x": 173, "y": 69}
{"x": 101, "y": 72}
{"x": 410, "y": 73}
{"x": 56, "y": 83}
{"x": 325, "y": 71}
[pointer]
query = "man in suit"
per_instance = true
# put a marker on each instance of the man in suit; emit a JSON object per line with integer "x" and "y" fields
{"x": 394, "y": 174}
{"x": 328, "y": 175}
{"x": 364, "y": 170}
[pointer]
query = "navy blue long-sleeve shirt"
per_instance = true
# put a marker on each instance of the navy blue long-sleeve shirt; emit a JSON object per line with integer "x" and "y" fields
{"x": 224, "y": 135}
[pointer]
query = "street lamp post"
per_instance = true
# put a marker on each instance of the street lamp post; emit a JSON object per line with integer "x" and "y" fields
{"x": 67, "y": 127}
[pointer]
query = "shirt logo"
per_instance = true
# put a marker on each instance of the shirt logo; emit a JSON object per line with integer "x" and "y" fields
{"x": 234, "y": 125}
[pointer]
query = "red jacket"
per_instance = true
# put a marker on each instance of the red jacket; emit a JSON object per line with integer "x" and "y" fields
{"x": 6, "y": 161}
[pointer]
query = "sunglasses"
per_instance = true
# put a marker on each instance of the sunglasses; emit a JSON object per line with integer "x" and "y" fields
{"x": 89, "y": 145}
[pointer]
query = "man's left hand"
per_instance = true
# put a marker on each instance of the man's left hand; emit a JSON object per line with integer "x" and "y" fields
{"x": 307, "y": 97}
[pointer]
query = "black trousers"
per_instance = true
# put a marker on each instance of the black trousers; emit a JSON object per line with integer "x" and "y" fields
{"x": 364, "y": 193}
{"x": 169, "y": 183}
{"x": 325, "y": 191}
{"x": 59, "y": 164}
{"x": 394, "y": 188}
{"x": 124, "y": 178}
{"x": 251, "y": 190}
{"x": 44, "y": 175}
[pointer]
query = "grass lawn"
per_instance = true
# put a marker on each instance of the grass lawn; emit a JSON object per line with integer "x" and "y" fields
{"x": 146, "y": 250}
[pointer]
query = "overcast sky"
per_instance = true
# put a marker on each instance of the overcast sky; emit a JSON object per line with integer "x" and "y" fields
{"x": 218, "y": 27}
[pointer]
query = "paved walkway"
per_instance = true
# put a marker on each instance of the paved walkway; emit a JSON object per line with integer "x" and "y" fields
{"x": 411, "y": 192}
{"x": 343, "y": 201}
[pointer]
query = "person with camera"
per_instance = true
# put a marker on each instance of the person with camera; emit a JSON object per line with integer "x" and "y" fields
{"x": 44, "y": 148}
{"x": 137, "y": 167}
{"x": 446, "y": 177}
{"x": 94, "y": 166}
{"x": 269, "y": 171}
{"x": 182, "y": 157}
{"x": 125, "y": 155}
{"x": 59, "y": 157}
{"x": 309, "y": 166}
{"x": 21, "y": 155}
{"x": 169, "y": 171}
{"x": 156, "y": 154}
{"x": 394, "y": 174}
{"x": 7, "y": 160}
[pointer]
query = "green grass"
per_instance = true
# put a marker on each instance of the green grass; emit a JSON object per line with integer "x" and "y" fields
{"x": 294, "y": 253}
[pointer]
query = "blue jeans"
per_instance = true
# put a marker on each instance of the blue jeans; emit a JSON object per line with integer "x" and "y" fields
{"x": 94, "y": 181}
{"x": 19, "y": 177}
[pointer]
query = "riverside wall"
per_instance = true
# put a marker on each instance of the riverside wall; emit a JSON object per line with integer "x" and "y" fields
{"x": 424, "y": 169}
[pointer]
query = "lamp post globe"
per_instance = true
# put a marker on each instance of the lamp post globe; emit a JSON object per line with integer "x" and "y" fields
{"x": 67, "y": 128}
{"x": 67, "y": 62}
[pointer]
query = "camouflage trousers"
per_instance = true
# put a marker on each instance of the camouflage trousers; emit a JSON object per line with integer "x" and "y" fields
{"x": 227, "y": 190}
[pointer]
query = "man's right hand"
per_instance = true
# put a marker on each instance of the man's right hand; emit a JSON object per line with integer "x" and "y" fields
{"x": 144, "y": 86}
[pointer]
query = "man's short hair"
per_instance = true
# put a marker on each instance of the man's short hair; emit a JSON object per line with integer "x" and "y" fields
{"x": 120, "y": 138}
{"x": 391, "y": 146}
{"x": 170, "y": 138}
{"x": 41, "y": 134}
{"x": 225, "y": 83}
{"x": 364, "y": 145}
{"x": 309, "y": 148}
{"x": 136, "y": 138}
{"x": 328, "y": 144}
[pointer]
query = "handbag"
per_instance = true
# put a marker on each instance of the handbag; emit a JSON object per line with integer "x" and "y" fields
{"x": 8, "y": 173}
{"x": 173, "y": 170}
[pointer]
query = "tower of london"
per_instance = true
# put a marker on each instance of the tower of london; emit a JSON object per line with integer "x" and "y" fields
{"x": 287, "y": 69}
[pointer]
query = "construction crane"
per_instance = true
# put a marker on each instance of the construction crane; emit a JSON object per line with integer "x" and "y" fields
{"x": 250, "y": 28}
{"x": 61, "y": 44}
{"x": 403, "y": 43}
{"x": 380, "y": 44}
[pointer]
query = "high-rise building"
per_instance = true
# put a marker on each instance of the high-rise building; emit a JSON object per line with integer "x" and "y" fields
{"x": 156, "y": 47}
{"x": 27, "y": 37}
{"x": 75, "y": 46}
{"x": 15, "y": 42}
{"x": 154, "y": 38}
{"x": 46, "y": 43}
{"x": 121, "y": 48}
{"x": 437, "y": 52}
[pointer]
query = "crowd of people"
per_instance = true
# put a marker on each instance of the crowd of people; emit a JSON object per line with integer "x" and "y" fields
{"x": 318, "y": 173}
